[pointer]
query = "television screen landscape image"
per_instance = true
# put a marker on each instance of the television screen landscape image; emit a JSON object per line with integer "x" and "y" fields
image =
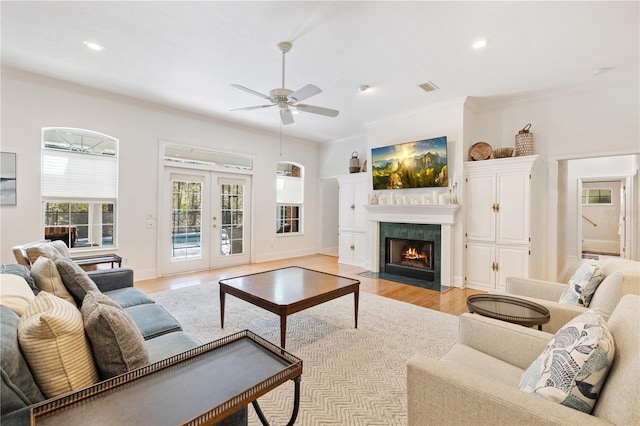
{"x": 416, "y": 164}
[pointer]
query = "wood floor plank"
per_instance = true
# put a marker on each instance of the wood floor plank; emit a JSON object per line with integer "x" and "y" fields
{"x": 453, "y": 301}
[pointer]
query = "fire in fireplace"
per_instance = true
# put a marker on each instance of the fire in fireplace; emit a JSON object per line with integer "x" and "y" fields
{"x": 410, "y": 258}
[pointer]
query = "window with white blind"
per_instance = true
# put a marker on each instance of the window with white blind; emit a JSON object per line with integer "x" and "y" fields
{"x": 79, "y": 187}
{"x": 289, "y": 198}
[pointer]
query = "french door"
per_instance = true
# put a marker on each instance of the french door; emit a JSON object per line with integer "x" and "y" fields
{"x": 205, "y": 220}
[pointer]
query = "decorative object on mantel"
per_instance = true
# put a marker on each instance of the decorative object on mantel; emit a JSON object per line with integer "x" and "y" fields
{"x": 502, "y": 152}
{"x": 364, "y": 166}
{"x": 524, "y": 142}
{"x": 354, "y": 163}
{"x": 480, "y": 151}
{"x": 453, "y": 193}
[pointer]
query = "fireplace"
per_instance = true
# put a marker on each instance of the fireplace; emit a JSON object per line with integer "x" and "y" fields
{"x": 409, "y": 258}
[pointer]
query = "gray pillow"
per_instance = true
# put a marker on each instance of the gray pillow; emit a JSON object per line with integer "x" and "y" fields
{"x": 75, "y": 279}
{"x": 117, "y": 344}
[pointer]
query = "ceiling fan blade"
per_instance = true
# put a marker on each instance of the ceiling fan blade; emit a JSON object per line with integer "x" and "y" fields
{"x": 246, "y": 89}
{"x": 304, "y": 93}
{"x": 252, "y": 107}
{"x": 286, "y": 116}
{"x": 318, "y": 110}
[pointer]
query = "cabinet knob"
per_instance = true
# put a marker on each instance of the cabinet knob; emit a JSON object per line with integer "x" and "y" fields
{"x": 495, "y": 207}
{"x": 353, "y": 247}
{"x": 494, "y": 266}
{"x": 353, "y": 206}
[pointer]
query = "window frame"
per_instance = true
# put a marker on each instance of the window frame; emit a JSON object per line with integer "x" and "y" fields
{"x": 586, "y": 196}
{"x": 96, "y": 229}
{"x": 285, "y": 172}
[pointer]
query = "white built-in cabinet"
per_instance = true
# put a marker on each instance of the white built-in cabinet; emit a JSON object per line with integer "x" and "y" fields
{"x": 353, "y": 240}
{"x": 503, "y": 227}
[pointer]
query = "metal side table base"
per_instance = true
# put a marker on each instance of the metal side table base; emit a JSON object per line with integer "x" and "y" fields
{"x": 296, "y": 405}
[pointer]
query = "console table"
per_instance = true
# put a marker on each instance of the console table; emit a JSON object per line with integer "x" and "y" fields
{"x": 200, "y": 386}
{"x": 98, "y": 259}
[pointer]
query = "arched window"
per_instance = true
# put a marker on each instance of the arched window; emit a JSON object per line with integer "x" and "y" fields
{"x": 289, "y": 198}
{"x": 79, "y": 187}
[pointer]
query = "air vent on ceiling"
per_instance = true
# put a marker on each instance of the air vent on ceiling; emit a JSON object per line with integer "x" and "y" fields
{"x": 429, "y": 86}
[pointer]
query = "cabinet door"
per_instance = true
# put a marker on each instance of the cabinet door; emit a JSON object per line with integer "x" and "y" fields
{"x": 480, "y": 197}
{"x": 345, "y": 212}
{"x": 479, "y": 259}
{"x": 512, "y": 225}
{"x": 360, "y": 248}
{"x": 360, "y": 199}
{"x": 345, "y": 252}
{"x": 512, "y": 262}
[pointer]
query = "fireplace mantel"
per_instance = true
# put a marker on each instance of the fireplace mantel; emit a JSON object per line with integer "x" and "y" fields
{"x": 443, "y": 214}
{"x": 440, "y": 214}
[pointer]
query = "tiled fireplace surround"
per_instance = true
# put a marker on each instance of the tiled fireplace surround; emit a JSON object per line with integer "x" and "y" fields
{"x": 420, "y": 222}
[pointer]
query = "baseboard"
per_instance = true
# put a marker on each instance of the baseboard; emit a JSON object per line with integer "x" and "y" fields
{"x": 267, "y": 257}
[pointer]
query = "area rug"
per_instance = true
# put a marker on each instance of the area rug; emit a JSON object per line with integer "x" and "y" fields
{"x": 350, "y": 376}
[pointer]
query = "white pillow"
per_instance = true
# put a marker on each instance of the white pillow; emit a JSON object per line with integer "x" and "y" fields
{"x": 15, "y": 293}
{"x": 573, "y": 368}
{"x": 45, "y": 273}
{"x": 582, "y": 285}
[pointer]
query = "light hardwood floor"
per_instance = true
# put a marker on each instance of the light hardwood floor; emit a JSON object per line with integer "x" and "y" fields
{"x": 452, "y": 301}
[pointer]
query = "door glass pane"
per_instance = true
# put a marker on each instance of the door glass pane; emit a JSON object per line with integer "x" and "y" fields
{"x": 186, "y": 219}
{"x": 232, "y": 209}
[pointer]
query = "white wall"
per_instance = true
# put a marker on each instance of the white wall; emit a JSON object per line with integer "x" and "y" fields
{"x": 30, "y": 102}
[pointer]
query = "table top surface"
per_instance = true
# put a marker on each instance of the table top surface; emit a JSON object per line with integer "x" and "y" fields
{"x": 508, "y": 308}
{"x": 239, "y": 368}
{"x": 282, "y": 286}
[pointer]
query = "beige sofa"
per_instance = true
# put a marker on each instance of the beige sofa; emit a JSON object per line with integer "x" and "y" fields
{"x": 476, "y": 382}
{"x": 605, "y": 299}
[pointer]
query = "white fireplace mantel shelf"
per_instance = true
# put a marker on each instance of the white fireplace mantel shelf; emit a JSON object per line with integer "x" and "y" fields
{"x": 413, "y": 213}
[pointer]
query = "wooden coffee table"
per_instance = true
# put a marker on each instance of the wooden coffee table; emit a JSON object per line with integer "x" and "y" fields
{"x": 287, "y": 291}
{"x": 509, "y": 308}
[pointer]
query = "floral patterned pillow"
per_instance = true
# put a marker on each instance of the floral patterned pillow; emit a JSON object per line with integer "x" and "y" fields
{"x": 574, "y": 366}
{"x": 583, "y": 285}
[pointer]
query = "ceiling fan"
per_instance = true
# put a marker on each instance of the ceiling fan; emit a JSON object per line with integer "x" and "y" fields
{"x": 287, "y": 99}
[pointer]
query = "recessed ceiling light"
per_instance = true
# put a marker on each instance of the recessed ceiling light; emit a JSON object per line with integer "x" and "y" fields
{"x": 600, "y": 71}
{"x": 93, "y": 46}
{"x": 363, "y": 88}
{"x": 480, "y": 43}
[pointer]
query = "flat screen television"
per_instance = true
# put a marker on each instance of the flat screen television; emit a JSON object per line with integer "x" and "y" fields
{"x": 415, "y": 164}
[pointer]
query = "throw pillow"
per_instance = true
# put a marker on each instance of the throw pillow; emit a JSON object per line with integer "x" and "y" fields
{"x": 574, "y": 366}
{"x": 118, "y": 344}
{"x": 50, "y": 249}
{"x": 582, "y": 285}
{"x": 75, "y": 279}
{"x": 53, "y": 342}
{"x": 21, "y": 271}
{"x": 15, "y": 293}
{"x": 47, "y": 278}
{"x": 609, "y": 293}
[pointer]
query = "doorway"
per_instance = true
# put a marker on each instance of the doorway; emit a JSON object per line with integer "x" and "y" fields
{"x": 205, "y": 220}
{"x": 602, "y": 213}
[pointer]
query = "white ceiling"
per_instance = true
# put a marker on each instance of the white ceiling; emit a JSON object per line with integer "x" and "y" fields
{"x": 186, "y": 54}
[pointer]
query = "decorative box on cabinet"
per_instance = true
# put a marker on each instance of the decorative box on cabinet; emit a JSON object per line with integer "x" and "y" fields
{"x": 352, "y": 219}
{"x": 504, "y": 213}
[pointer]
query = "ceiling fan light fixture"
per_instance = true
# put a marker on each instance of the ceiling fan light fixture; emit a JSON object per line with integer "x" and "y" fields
{"x": 363, "y": 88}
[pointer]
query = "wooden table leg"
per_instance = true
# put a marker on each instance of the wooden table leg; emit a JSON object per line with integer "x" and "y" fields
{"x": 283, "y": 330}
{"x": 356, "y": 296}
{"x": 222, "y": 300}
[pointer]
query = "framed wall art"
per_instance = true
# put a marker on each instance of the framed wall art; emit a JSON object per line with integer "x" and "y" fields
{"x": 7, "y": 178}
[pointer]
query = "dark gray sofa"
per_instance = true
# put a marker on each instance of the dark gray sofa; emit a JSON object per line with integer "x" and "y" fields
{"x": 163, "y": 336}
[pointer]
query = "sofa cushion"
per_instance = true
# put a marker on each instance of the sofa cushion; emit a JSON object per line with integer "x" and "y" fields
{"x": 47, "y": 278}
{"x": 168, "y": 345}
{"x": 118, "y": 345}
{"x": 573, "y": 368}
{"x": 52, "y": 339}
{"x": 75, "y": 279}
{"x": 18, "y": 389}
{"x": 129, "y": 296}
{"x": 15, "y": 293}
{"x": 21, "y": 271}
{"x": 582, "y": 285}
{"x": 153, "y": 320}
{"x": 50, "y": 249}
